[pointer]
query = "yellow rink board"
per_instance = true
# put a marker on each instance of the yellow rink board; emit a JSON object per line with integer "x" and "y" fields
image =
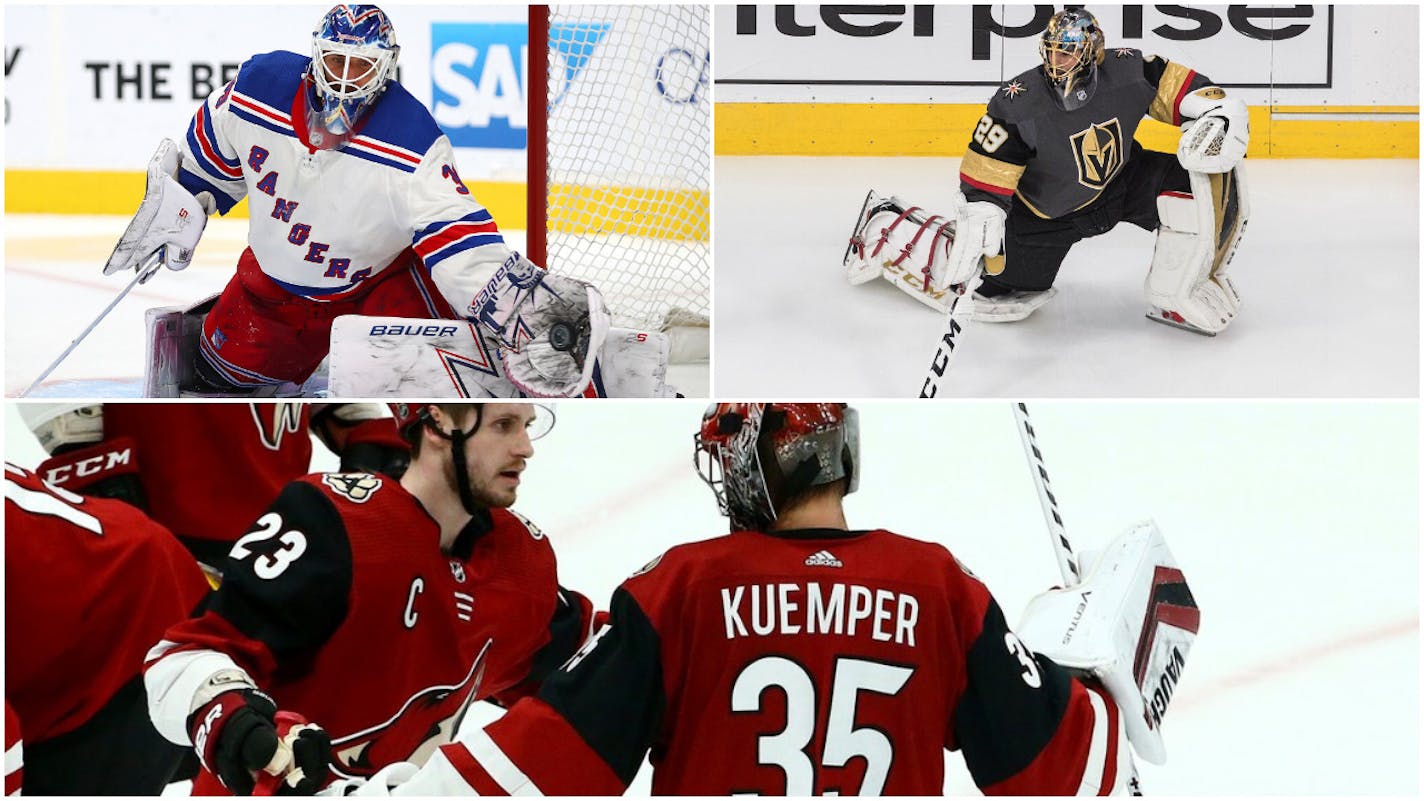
{"x": 635, "y": 211}
{"x": 922, "y": 129}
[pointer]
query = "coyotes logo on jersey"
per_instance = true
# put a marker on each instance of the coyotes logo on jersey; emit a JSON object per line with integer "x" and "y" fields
{"x": 426, "y": 721}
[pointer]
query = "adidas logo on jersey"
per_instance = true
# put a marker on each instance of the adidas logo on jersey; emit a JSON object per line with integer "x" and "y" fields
{"x": 822, "y": 559}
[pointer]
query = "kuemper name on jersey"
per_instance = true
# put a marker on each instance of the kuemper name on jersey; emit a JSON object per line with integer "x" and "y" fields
{"x": 815, "y": 608}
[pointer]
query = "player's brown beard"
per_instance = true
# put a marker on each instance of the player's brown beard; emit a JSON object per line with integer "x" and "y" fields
{"x": 480, "y": 492}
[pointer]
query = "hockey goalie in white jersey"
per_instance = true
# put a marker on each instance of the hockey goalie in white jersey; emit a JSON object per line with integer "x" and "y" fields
{"x": 356, "y": 209}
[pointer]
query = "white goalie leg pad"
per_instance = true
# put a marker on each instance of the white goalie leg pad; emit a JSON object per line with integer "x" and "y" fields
{"x": 397, "y": 357}
{"x": 1187, "y": 284}
{"x": 904, "y": 244}
{"x": 1130, "y": 624}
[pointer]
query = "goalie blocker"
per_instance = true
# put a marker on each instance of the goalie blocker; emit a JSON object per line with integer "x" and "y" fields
{"x": 1130, "y": 624}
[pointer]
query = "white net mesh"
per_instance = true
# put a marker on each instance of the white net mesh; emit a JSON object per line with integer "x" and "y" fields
{"x": 629, "y": 141}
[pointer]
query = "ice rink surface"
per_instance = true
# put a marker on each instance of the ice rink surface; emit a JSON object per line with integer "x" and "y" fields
{"x": 1328, "y": 269}
{"x": 1296, "y": 525}
{"x": 54, "y": 288}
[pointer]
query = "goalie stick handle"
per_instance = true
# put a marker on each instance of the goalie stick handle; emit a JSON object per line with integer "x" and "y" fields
{"x": 961, "y": 309}
{"x": 1062, "y": 548}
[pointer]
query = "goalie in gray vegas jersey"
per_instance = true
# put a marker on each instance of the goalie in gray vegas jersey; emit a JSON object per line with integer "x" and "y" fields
{"x": 1055, "y": 155}
{"x": 1053, "y": 161}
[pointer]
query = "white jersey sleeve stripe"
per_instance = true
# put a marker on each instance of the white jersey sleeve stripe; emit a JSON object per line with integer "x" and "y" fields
{"x": 499, "y": 766}
{"x": 1097, "y": 749}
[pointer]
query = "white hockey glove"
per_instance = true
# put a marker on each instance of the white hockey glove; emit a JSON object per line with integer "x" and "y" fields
{"x": 550, "y": 326}
{"x": 169, "y": 220}
{"x": 1130, "y": 624}
{"x": 978, "y": 234}
{"x": 1217, "y": 138}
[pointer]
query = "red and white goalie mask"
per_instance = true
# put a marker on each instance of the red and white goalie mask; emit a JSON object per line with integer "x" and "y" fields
{"x": 757, "y": 456}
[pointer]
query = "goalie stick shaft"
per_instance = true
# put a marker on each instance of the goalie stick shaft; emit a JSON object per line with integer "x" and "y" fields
{"x": 1062, "y": 547}
{"x": 143, "y": 274}
{"x": 960, "y": 311}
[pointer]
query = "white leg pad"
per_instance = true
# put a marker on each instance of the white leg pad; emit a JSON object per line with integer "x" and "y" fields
{"x": 906, "y": 245}
{"x": 1187, "y": 284}
{"x": 395, "y": 357}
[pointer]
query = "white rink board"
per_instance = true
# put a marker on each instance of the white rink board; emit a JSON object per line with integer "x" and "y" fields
{"x": 1297, "y": 526}
{"x": 1319, "y": 54}
{"x": 73, "y": 71}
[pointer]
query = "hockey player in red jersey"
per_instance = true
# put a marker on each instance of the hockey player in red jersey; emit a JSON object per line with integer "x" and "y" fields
{"x": 14, "y": 752}
{"x": 90, "y": 583}
{"x": 357, "y": 208}
{"x": 796, "y": 656}
{"x": 205, "y": 470}
{"x": 376, "y": 609}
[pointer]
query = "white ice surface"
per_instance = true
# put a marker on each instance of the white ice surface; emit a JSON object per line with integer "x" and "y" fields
{"x": 1328, "y": 270}
{"x": 54, "y": 288}
{"x": 1296, "y": 524}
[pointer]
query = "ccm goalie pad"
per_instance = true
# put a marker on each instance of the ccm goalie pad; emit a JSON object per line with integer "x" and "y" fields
{"x": 905, "y": 245}
{"x": 1187, "y": 285}
{"x": 394, "y": 357}
{"x": 1130, "y": 624}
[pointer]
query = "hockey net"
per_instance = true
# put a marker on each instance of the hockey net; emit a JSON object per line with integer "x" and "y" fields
{"x": 619, "y": 156}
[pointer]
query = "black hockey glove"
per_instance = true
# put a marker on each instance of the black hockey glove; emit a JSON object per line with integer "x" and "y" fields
{"x": 236, "y": 736}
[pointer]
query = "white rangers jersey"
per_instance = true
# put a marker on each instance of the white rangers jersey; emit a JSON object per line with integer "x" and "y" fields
{"x": 324, "y": 221}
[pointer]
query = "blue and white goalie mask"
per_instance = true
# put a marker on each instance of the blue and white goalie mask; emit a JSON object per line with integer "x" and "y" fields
{"x": 354, "y": 55}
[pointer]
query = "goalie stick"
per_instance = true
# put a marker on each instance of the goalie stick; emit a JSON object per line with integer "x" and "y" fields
{"x": 961, "y": 310}
{"x": 144, "y": 272}
{"x": 1062, "y": 548}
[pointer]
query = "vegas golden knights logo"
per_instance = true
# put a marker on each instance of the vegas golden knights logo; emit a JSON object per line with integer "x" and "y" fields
{"x": 1098, "y": 150}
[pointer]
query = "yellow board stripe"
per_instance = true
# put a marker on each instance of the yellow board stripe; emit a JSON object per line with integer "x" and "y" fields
{"x": 921, "y": 129}
{"x": 680, "y": 214}
{"x": 100, "y": 192}
{"x": 635, "y": 211}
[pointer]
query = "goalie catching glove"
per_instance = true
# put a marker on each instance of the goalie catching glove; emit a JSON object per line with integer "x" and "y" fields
{"x": 550, "y": 326}
{"x": 1215, "y": 139}
{"x": 169, "y": 221}
{"x": 1130, "y": 624}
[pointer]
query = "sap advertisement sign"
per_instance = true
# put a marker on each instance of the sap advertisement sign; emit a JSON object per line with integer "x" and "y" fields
{"x": 479, "y": 78}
